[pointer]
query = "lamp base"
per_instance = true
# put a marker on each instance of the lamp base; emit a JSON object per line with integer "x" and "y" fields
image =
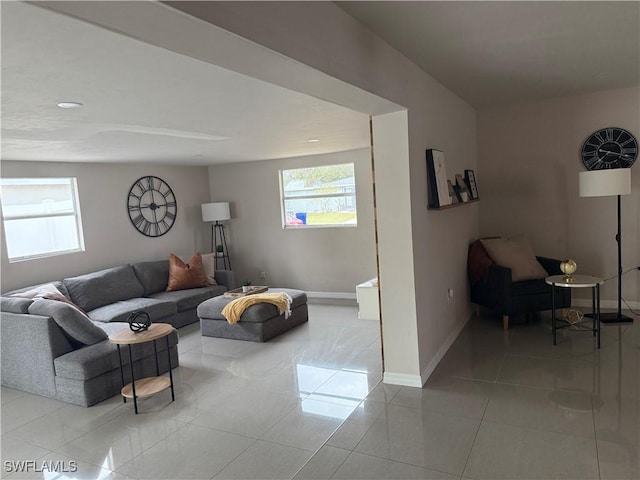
{"x": 612, "y": 318}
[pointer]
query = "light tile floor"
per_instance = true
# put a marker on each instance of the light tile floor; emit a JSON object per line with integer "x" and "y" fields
{"x": 309, "y": 405}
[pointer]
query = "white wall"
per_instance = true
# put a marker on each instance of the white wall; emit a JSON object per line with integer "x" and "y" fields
{"x": 529, "y": 159}
{"x": 110, "y": 238}
{"x": 321, "y": 35}
{"x": 315, "y": 259}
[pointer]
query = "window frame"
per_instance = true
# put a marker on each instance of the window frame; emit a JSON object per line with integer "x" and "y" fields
{"x": 284, "y": 198}
{"x": 75, "y": 214}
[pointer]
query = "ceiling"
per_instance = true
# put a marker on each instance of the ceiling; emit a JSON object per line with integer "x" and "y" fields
{"x": 146, "y": 104}
{"x": 143, "y": 104}
{"x": 493, "y": 53}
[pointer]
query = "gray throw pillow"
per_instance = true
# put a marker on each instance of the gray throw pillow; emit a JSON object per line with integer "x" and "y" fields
{"x": 74, "y": 323}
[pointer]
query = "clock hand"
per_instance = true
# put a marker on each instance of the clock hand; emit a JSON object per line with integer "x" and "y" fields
{"x": 609, "y": 152}
{"x": 155, "y": 218}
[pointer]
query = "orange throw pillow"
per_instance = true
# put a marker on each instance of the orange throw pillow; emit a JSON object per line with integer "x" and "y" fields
{"x": 186, "y": 275}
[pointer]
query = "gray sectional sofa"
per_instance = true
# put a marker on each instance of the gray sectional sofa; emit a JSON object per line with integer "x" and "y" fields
{"x": 49, "y": 348}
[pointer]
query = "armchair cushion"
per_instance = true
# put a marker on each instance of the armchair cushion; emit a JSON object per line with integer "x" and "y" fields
{"x": 517, "y": 255}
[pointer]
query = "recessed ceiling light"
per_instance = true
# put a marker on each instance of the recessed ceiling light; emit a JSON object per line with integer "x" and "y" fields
{"x": 69, "y": 105}
{"x": 313, "y": 140}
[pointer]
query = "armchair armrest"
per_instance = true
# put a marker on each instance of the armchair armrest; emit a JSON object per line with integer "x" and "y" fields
{"x": 499, "y": 284}
{"x": 495, "y": 290}
{"x": 551, "y": 265}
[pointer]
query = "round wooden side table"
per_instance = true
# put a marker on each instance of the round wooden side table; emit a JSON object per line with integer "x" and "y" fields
{"x": 148, "y": 386}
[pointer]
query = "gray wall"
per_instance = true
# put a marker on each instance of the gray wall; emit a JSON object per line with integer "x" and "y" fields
{"x": 110, "y": 238}
{"x": 529, "y": 163}
{"x": 315, "y": 259}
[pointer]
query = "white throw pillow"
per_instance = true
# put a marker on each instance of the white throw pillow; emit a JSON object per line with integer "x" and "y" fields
{"x": 209, "y": 267}
{"x": 515, "y": 253}
{"x": 38, "y": 292}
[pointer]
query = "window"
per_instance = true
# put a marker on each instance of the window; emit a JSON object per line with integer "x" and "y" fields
{"x": 319, "y": 196}
{"x": 41, "y": 217}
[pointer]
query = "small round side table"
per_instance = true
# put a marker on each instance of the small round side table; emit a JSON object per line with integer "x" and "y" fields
{"x": 578, "y": 281}
{"x": 148, "y": 386}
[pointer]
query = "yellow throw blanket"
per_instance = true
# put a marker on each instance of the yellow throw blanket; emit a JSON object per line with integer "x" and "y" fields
{"x": 234, "y": 309}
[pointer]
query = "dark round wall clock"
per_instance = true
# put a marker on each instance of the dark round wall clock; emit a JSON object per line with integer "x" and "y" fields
{"x": 609, "y": 148}
{"x": 152, "y": 206}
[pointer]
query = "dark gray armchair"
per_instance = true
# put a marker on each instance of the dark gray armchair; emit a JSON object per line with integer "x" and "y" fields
{"x": 492, "y": 287}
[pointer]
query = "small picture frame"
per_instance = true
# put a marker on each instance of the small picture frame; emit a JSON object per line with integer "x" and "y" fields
{"x": 462, "y": 185}
{"x": 454, "y": 192}
{"x": 470, "y": 180}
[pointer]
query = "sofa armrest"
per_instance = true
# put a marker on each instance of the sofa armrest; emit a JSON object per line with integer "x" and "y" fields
{"x": 226, "y": 278}
{"x": 551, "y": 265}
{"x": 29, "y": 344}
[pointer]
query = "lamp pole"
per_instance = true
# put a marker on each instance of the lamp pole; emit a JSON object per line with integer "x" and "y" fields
{"x": 618, "y": 317}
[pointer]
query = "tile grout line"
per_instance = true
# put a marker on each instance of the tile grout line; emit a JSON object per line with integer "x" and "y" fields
{"x": 484, "y": 411}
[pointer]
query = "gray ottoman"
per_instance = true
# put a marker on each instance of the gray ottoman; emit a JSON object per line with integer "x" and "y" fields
{"x": 258, "y": 323}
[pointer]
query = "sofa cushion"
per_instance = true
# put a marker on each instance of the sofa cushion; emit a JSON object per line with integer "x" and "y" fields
{"x": 153, "y": 276}
{"x": 191, "y": 298}
{"x": 100, "y": 288}
{"x": 186, "y": 275}
{"x": 91, "y": 361}
{"x": 74, "y": 323}
{"x": 15, "y": 304}
{"x": 516, "y": 254}
{"x": 120, "y": 311}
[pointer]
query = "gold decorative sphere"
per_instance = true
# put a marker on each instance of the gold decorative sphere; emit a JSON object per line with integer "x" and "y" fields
{"x": 568, "y": 267}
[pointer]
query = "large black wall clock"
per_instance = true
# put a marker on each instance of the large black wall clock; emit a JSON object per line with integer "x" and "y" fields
{"x": 609, "y": 148}
{"x": 152, "y": 206}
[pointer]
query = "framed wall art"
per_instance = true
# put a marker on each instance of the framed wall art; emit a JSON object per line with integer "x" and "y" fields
{"x": 437, "y": 179}
{"x": 461, "y": 184}
{"x": 470, "y": 179}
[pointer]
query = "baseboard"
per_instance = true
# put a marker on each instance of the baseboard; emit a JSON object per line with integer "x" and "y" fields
{"x": 332, "y": 298}
{"x": 426, "y": 373}
{"x": 418, "y": 381}
{"x": 402, "y": 379}
{"x": 613, "y": 304}
{"x": 334, "y": 295}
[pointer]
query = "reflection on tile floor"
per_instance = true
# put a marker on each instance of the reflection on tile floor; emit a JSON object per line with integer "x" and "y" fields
{"x": 309, "y": 405}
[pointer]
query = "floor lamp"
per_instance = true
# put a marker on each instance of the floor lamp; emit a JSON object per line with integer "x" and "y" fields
{"x": 217, "y": 212}
{"x": 603, "y": 183}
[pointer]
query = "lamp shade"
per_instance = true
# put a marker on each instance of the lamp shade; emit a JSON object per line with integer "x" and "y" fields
{"x": 213, "y": 212}
{"x": 603, "y": 183}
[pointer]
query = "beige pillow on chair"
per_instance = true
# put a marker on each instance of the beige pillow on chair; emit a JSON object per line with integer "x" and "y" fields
{"x": 515, "y": 253}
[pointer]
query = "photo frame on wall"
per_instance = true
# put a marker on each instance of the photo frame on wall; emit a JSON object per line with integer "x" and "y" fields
{"x": 470, "y": 179}
{"x": 461, "y": 185}
{"x": 437, "y": 179}
{"x": 454, "y": 192}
